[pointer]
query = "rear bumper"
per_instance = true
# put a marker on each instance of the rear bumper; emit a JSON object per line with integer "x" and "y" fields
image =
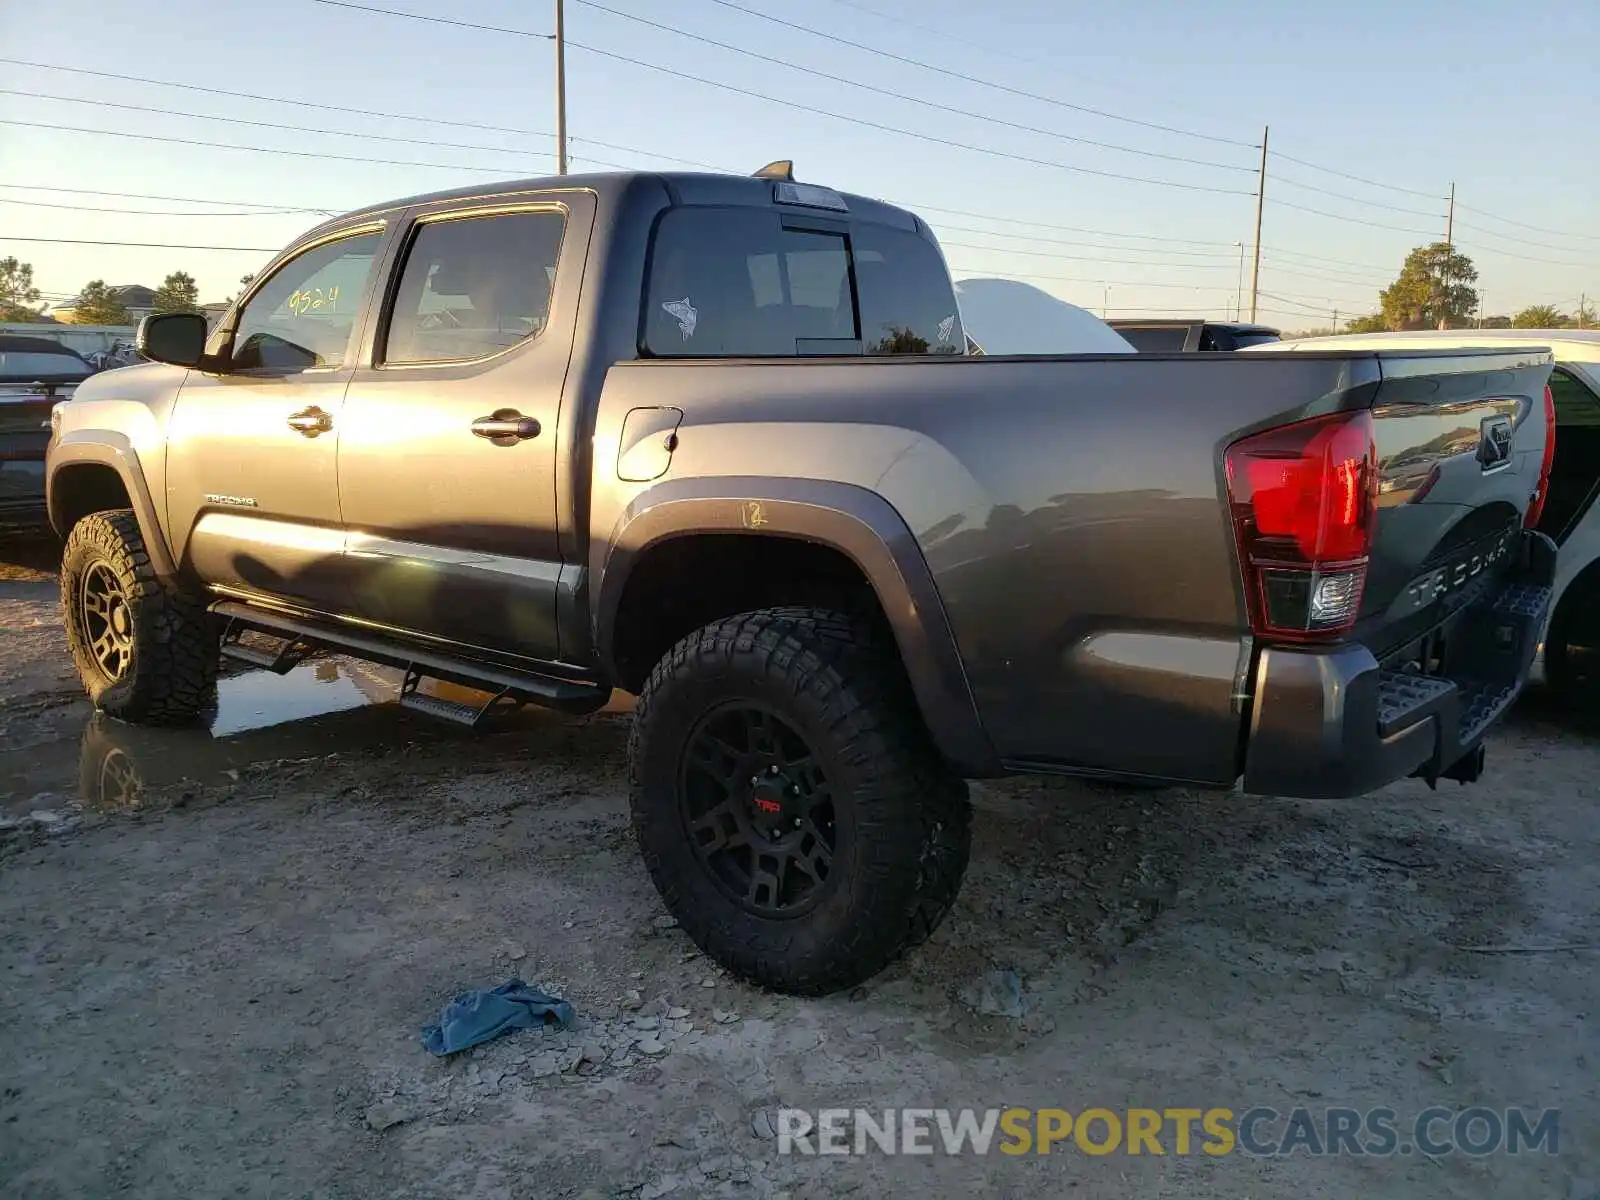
{"x": 1336, "y": 722}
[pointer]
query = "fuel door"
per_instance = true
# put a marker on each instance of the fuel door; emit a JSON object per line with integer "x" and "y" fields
{"x": 649, "y": 436}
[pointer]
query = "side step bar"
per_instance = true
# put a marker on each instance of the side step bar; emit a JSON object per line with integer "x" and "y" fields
{"x": 300, "y": 635}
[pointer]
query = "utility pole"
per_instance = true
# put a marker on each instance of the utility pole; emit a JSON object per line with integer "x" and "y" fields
{"x": 561, "y": 88}
{"x": 1105, "y": 302}
{"x": 1449, "y": 250}
{"x": 1336, "y": 320}
{"x": 1583, "y": 309}
{"x": 1238, "y": 288}
{"x": 1261, "y": 196}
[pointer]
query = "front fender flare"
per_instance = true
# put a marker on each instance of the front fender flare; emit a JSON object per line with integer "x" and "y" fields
{"x": 859, "y": 524}
{"x": 108, "y": 448}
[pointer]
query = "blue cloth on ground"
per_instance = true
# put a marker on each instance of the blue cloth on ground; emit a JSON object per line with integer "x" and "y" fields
{"x": 482, "y": 1015}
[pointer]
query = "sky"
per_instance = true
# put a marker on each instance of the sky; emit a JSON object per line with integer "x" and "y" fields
{"x": 1044, "y": 140}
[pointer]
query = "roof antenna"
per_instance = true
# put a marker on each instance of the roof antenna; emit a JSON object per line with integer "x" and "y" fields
{"x": 782, "y": 169}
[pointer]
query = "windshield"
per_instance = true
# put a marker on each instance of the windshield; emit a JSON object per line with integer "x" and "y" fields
{"x": 27, "y": 365}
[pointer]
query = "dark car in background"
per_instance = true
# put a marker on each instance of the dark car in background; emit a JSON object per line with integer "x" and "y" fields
{"x": 35, "y": 373}
{"x": 1185, "y": 337}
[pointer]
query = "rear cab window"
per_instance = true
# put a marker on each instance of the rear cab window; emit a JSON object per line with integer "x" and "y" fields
{"x": 749, "y": 282}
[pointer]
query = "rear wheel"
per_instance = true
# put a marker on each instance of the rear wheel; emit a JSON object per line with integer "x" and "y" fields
{"x": 145, "y": 650}
{"x": 790, "y": 808}
{"x": 1572, "y": 652}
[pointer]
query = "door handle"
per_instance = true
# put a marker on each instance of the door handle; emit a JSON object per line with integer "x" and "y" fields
{"x": 506, "y": 427}
{"x": 311, "y": 421}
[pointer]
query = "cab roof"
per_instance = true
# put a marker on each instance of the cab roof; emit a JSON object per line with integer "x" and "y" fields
{"x": 684, "y": 187}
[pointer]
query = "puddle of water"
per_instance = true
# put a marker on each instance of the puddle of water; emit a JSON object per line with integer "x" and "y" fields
{"x": 319, "y": 708}
{"x": 259, "y": 699}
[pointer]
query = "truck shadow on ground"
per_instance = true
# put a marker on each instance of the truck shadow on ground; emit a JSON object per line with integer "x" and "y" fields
{"x": 1069, "y": 882}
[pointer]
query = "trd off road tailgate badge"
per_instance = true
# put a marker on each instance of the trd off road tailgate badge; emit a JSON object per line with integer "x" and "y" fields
{"x": 685, "y": 314}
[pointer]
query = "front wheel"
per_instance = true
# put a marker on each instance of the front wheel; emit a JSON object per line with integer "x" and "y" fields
{"x": 145, "y": 650}
{"x": 791, "y": 810}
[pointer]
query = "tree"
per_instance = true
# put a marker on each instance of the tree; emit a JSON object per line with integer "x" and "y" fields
{"x": 1369, "y": 324}
{"x": 177, "y": 294}
{"x": 1434, "y": 290}
{"x": 244, "y": 282}
{"x": 19, "y": 299}
{"x": 98, "y": 305}
{"x": 1539, "y": 316}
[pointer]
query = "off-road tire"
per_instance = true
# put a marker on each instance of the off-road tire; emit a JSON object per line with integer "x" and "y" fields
{"x": 908, "y": 819}
{"x": 1573, "y": 687}
{"x": 171, "y": 673}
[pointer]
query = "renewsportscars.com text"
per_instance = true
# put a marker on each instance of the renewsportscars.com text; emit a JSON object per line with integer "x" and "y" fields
{"x": 1259, "y": 1132}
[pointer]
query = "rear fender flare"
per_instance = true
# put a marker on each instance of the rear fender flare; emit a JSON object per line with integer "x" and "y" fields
{"x": 109, "y": 449}
{"x": 856, "y": 522}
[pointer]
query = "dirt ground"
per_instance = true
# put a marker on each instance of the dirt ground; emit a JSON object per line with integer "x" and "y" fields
{"x": 217, "y": 948}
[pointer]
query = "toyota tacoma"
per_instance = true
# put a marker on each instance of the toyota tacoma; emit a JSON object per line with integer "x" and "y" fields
{"x": 717, "y": 441}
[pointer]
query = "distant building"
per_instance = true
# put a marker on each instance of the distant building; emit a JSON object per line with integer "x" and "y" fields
{"x": 139, "y": 300}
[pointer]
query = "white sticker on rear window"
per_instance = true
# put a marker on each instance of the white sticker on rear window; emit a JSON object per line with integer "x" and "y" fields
{"x": 946, "y": 327}
{"x": 685, "y": 314}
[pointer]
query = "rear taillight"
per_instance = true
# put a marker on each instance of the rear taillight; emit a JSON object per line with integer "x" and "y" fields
{"x": 1536, "y": 501}
{"x": 1304, "y": 499}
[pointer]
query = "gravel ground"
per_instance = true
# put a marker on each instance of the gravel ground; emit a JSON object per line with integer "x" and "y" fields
{"x": 217, "y": 949}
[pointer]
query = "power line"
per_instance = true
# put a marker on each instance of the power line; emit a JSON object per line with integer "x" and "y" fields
{"x": 200, "y": 116}
{"x": 1524, "y": 225}
{"x": 1413, "y": 212}
{"x": 1033, "y": 237}
{"x": 1126, "y": 262}
{"x": 142, "y": 245}
{"x": 211, "y": 91}
{"x": 1509, "y": 237}
{"x": 145, "y": 212}
{"x": 961, "y": 212}
{"x": 1524, "y": 256}
{"x": 151, "y": 137}
{"x": 1300, "y": 162}
{"x": 1319, "y": 258}
{"x": 40, "y": 187}
{"x": 965, "y": 78}
{"x": 1293, "y": 307}
{"x": 967, "y": 43}
{"x": 798, "y": 106}
{"x": 1354, "y": 220}
{"x": 311, "y": 104}
{"x": 881, "y": 91}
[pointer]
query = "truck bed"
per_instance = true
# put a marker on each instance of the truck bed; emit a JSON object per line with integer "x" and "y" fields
{"x": 1074, "y": 511}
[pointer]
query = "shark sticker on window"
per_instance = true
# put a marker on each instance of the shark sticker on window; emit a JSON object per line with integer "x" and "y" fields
{"x": 947, "y": 327}
{"x": 685, "y": 314}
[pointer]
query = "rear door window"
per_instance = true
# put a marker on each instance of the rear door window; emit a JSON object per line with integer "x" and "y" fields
{"x": 733, "y": 282}
{"x": 737, "y": 282}
{"x": 473, "y": 286}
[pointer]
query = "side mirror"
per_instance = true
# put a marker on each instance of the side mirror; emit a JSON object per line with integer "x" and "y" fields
{"x": 176, "y": 338}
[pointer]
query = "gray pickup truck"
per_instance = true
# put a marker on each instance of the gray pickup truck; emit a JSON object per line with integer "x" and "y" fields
{"x": 716, "y": 441}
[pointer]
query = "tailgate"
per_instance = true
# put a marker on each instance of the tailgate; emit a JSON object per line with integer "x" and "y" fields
{"x": 25, "y": 418}
{"x": 1460, "y": 440}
